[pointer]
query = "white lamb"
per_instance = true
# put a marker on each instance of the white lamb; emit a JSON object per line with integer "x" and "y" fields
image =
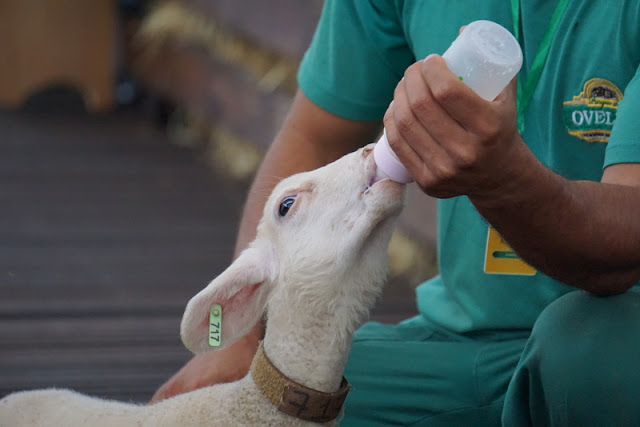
{"x": 316, "y": 267}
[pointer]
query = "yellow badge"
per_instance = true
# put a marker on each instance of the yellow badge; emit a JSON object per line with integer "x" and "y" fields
{"x": 501, "y": 259}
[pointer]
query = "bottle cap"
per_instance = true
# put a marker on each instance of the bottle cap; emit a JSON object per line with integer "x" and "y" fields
{"x": 486, "y": 57}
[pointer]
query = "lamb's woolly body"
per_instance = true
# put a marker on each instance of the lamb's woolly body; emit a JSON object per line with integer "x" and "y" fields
{"x": 315, "y": 272}
{"x": 234, "y": 404}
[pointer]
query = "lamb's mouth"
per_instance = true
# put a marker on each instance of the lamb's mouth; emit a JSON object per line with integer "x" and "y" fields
{"x": 375, "y": 176}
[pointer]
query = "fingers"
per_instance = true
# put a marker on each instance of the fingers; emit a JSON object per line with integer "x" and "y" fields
{"x": 167, "y": 390}
{"x": 399, "y": 143}
{"x": 457, "y": 99}
{"x": 444, "y": 133}
{"x": 436, "y": 121}
{"x": 407, "y": 125}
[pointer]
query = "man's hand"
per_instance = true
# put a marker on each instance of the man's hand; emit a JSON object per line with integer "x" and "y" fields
{"x": 452, "y": 141}
{"x": 455, "y": 143}
{"x": 206, "y": 369}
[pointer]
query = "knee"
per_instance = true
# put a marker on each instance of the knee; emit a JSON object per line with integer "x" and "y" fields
{"x": 582, "y": 342}
{"x": 581, "y": 348}
{"x": 588, "y": 322}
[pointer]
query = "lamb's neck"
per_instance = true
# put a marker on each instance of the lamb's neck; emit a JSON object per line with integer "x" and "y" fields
{"x": 306, "y": 349}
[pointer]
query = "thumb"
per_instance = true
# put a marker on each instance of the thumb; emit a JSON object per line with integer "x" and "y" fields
{"x": 167, "y": 390}
{"x": 509, "y": 93}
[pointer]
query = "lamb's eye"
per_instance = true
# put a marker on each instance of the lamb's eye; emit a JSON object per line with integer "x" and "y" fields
{"x": 286, "y": 204}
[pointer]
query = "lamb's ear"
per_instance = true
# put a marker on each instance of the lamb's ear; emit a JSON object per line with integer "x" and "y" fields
{"x": 241, "y": 291}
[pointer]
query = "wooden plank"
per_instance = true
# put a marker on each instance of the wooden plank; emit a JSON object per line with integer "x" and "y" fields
{"x": 106, "y": 231}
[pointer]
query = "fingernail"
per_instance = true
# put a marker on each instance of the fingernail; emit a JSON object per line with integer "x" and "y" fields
{"x": 429, "y": 56}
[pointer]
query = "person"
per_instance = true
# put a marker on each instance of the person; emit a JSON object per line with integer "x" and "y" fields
{"x": 534, "y": 318}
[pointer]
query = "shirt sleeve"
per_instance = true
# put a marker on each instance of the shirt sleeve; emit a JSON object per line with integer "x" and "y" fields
{"x": 624, "y": 143}
{"x": 356, "y": 58}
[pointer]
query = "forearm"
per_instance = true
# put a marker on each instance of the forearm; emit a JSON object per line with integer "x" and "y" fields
{"x": 274, "y": 167}
{"x": 583, "y": 233}
{"x": 289, "y": 154}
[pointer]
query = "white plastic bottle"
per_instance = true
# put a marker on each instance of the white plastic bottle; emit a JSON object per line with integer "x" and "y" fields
{"x": 486, "y": 57}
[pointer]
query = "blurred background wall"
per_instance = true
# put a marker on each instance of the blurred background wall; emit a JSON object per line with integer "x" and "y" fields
{"x": 219, "y": 74}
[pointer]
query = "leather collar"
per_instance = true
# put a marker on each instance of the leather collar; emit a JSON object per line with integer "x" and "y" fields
{"x": 295, "y": 399}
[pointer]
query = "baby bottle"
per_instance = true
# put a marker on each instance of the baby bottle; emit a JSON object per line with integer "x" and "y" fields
{"x": 486, "y": 57}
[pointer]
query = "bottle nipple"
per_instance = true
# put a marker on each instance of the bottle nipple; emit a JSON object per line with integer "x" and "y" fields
{"x": 388, "y": 165}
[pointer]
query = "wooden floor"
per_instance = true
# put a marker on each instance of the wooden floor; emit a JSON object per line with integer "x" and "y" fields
{"x": 106, "y": 230}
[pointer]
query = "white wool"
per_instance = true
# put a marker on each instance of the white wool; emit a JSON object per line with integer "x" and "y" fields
{"x": 315, "y": 273}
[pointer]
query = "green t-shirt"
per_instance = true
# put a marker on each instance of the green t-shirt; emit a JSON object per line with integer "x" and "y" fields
{"x": 359, "y": 53}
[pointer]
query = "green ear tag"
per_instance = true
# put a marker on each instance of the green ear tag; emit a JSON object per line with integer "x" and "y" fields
{"x": 215, "y": 325}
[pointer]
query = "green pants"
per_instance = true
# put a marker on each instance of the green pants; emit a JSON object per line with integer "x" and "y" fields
{"x": 580, "y": 365}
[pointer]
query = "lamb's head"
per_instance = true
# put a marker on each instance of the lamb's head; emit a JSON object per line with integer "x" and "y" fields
{"x": 321, "y": 246}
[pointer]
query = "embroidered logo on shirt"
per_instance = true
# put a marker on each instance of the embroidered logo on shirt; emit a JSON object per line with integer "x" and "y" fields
{"x": 591, "y": 114}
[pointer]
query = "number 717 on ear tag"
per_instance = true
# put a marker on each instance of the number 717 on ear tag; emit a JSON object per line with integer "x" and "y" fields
{"x": 215, "y": 325}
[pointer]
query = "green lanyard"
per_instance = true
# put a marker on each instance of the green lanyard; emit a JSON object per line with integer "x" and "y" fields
{"x": 526, "y": 89}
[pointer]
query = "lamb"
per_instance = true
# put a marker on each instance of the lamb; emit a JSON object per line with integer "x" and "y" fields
{"x": 316, "y": 267}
